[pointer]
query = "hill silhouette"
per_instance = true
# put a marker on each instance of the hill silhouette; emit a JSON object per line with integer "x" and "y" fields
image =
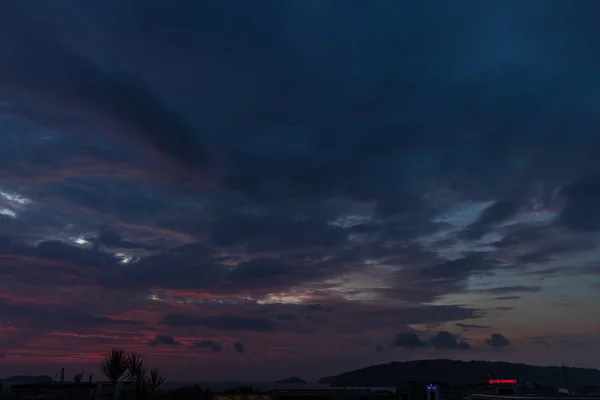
{"x": 293, "y": 379}
{"x": 461, "y": 372}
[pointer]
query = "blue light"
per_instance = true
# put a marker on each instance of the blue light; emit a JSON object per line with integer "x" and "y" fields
{"x": 431, "y": 387}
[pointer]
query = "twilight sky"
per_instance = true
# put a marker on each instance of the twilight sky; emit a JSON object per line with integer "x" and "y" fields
{"x": 253, "y": 190}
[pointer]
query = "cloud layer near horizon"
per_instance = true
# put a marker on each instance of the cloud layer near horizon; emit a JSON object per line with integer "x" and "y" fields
{"x": 256, "y": 187}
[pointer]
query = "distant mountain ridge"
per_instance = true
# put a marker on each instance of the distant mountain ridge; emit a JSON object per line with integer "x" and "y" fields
{"x": 293, "y": 379}
{"x": 461, "y": 372}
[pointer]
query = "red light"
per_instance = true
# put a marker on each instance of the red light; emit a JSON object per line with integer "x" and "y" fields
{"x": 502, "y": 381}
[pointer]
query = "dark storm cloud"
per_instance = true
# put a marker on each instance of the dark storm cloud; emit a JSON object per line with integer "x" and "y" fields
{"x": 379, "y": 348}
{"x": 554, "y": 271}
{"x": 581, "y": 198}
{"x": 359, "y": 149}
{"x": 184, "y": 267}
{"x": 209, "y": 344}
{"x": 96, "y": 267}
{"x": 165, "y": 340}
{"x": 129, "y": 201}
{"x": 221, "y": 322}
{"x": 409, "y": 340}
{"x": 393, "y": 79}
{"x": 432, "y": 315}
{"x": 239, "y": 347}
{"x": 200, "y": 268}
{"x": 111, "y": 239}
{"x": 523, "y": 234}
{"x": 349, "y": 316}
{"x": 70, "y": 264}
{"x": 287, "y": 317}
{"x": 55, "y": 250}
{"x": 535, "y": 257}
{"x": 307, "y": 117}
{"x": 275, "y": 232}
{"x": 415, "y": 289}
{"x": 593, "y": 269}
{"x": 541, "y": 341}
{"x": 466, "y": 327}
{"x": 173, "y": 271}
{"x": 46, "y": 73}
{"x": 318, "y": 307}
{"x": 555, "y": 245}
{"x": 551, "y": 341}
{"x": 459, "y": 269}
{"x": 440, "y": 341}
{"x": 47, "y": 317}
{"x": 513, "y": 289}
{"x": 276, "y": 272}
{"x": 192, "y": 266}
{"x": 496, "y": 213}
{"x": 52, "y": 157}
{"x": 446, "y": 340}
{"x": 274, "y": 56}
{"x": 497, "y": 340}
{"x": 431, "y": 276}
{"x": 226, "y": 33}
{"x": 540, "y": 252}
{"x": 444, "y": 276}
{"x": 507, "y": 298}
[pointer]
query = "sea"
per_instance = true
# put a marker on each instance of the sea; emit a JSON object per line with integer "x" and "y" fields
{"x": 261, "y": 386}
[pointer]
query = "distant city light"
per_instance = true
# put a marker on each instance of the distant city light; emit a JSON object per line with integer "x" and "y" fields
{"x": 431, "y": 387}
{"x": 502, "y": 381}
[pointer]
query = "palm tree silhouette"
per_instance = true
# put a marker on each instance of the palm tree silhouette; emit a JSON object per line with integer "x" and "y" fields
{"x": 154, "y": 379}
{"x": 119, "y": 364}
{"x": 136, "y": 370}
{"x": 136, "y": 375}
{"x": 114, "y": 367}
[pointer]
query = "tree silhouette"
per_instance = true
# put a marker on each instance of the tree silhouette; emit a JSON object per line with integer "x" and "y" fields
{"x": 136, "y": 370}
{"x": 155, "y": 378}
{"x": 119, "y": 364}
{"x": 137, "y": 375}
{"x": 114, "y": 367}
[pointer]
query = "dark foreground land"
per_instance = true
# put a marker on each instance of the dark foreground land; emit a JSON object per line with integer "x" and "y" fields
{"x": 392, "y": 375}
{"x": 461, "y": 373}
